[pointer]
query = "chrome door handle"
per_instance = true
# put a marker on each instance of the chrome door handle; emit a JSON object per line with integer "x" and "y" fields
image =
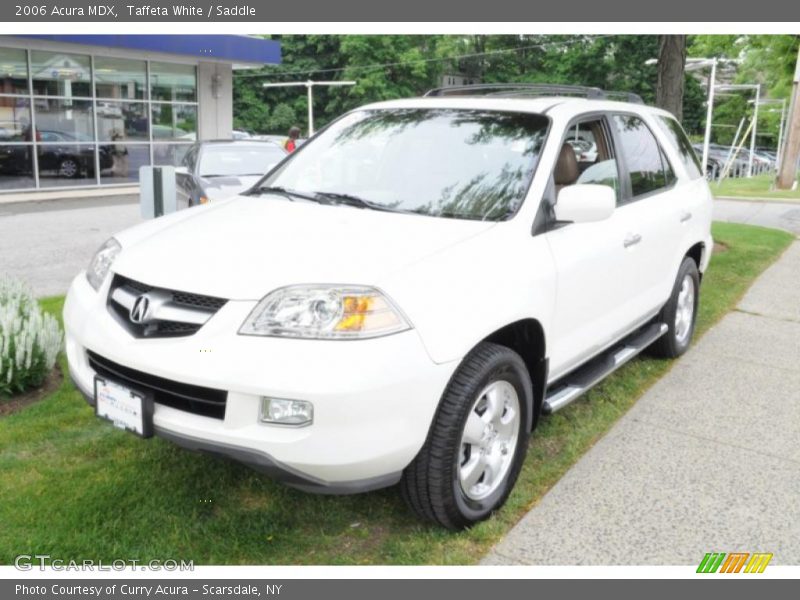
{"x": 632, "y": 239}
{"x": 685, "y": 216}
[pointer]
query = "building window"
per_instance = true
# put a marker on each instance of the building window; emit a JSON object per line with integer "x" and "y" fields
{"x": 13, "y": 71}
{"x": 61, "y": 74}
{"x": 16, "y": 144}
{"x": 169, "y": 154}
{"x": 173, "y": 83}
{"x": 64, "y": 120}
{"x": 65, "y": 164}
{"x": 15, "y": 119}
{"x": 16, "y": 167}
{"x": 123, "y": 162}
{"x": 120, "y": 78}
{"x": 71, "y": 120}
{"x": 118, "y": 121}
{"x": 174, "y": 122}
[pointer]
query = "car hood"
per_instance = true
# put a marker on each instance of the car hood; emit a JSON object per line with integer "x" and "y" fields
{"x": 218, "y": 188}
{"x": 244, "y": 247}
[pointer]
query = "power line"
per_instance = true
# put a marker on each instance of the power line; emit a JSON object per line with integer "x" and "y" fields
{"x": 544, "y": 45}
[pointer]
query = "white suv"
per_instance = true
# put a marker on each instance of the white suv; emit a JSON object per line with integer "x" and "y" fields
{"x": 405, "y": 296}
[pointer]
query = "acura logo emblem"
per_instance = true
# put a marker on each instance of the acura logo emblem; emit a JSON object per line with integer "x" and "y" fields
{"x": 140, "y": 309}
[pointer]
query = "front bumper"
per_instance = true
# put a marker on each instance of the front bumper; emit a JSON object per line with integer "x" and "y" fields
{"x": 373, "y": 400}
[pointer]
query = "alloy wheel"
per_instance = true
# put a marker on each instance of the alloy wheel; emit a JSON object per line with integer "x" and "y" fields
{"x": 489, "y": 440}
{"x": 684, "y": 311}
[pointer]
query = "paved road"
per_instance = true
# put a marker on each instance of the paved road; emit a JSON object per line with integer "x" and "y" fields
{"x": 47, "y": 243}
{"x": 780, "y": 215}
{"x": 707, "y": 460}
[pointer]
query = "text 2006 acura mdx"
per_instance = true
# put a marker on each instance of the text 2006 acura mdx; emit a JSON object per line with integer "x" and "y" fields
{"x": 404, "y": 297}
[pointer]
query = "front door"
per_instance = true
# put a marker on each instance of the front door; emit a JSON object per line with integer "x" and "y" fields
{"x": 595, "y": 262}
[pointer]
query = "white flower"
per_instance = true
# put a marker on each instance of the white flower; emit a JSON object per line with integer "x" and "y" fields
{"x": 29, "y": 339}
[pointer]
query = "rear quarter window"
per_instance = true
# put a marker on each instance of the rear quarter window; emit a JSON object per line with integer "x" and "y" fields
{"x": 681, "y": 143}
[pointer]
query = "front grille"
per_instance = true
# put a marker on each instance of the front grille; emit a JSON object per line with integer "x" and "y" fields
{"x": 198, "y": 301}
{"x": 194, "y": 399}
{"x": 187, "y": 312}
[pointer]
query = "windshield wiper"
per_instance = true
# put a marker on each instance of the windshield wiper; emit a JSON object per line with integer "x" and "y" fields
{"x": 273, "y": 189}
{"x": 357, "y": 201}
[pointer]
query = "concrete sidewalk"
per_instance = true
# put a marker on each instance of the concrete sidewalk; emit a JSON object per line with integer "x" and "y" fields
{"x": 707, "y": 460}
{"x": 779, "y": 215}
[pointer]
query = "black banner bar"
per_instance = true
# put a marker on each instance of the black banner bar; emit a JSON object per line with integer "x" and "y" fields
{"x": 136, "y": 11}
{"x": 730, "y": 588}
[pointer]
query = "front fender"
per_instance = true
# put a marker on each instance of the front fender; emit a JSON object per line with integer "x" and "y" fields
{"x": 463, "y": 294}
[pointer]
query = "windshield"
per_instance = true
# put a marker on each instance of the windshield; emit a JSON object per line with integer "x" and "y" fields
{"x": 471, "y": 164}
{"x": 238, "y": 159}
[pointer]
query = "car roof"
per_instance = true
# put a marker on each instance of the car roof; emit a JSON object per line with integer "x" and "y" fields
{"x": 237, "y": 142}
{"x": 243, "y": 143}
{"x": 539, "y": 104}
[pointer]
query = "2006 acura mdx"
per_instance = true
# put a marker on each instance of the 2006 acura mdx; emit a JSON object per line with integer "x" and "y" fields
{"x": 402, "y": 298}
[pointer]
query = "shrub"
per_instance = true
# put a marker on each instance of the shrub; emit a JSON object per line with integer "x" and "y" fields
{"x": 30, "y": 340}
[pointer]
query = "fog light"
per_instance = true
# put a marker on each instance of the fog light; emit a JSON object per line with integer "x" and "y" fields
{"x": 287, "y": 412}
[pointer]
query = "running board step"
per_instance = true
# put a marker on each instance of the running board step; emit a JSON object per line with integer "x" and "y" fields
{"x": 577, "y": 383}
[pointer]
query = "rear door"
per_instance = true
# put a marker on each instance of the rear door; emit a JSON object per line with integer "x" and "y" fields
{"x": 652, "y": 207}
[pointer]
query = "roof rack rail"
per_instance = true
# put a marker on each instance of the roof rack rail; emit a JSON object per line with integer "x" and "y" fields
{"x": 512, "y": 90}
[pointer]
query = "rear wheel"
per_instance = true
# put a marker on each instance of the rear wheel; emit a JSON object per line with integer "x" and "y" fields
{"x": 477, "y": 442}
{"x": 68, "y": 168}
{"x": 680, "y": 312}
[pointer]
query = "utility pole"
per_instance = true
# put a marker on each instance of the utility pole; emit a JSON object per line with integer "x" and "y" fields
{"x": 787, "y": 174}
{"x": 754, "y": 122}
{"x": 309, "y": 85}
{"x": 755, "y": 128}
{"x": 779, "y": 150}
{"x": 712, "y": 81}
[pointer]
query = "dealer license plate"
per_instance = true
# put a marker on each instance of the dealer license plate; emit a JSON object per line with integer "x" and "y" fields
{"x": 124, "y": 407}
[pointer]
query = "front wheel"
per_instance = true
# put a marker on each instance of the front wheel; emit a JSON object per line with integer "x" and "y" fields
{"x": 477, "y": 442}
{"x": 680, "y": 312}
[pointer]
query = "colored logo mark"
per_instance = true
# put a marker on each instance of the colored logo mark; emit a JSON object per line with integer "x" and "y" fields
{"x": 734, "y": 562}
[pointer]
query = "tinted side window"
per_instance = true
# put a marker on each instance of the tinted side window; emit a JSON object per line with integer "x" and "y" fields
{"x": 591, "y": 142}
{"x": 682, "y": 144}
{"x": 669, "y": 174}
{"x": 648, "y": 168}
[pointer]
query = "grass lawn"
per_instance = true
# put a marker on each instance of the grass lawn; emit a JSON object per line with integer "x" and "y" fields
{"x": 758, "y": 186}
{"x": 74, "y": 487}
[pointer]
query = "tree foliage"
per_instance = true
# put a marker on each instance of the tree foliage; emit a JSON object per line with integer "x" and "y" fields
{"x": 400, "y": 66}
{"x": 765, "y": 59}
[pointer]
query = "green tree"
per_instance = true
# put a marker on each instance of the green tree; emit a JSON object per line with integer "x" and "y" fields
{"x": 765, "y": 59}
{"x": 399, "y": 66}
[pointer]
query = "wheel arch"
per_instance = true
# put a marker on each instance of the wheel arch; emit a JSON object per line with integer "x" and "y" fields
{"x": 526, "y": 337}
{"x": 697, "y": 254}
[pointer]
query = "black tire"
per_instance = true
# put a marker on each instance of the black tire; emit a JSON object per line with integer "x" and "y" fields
{"x": 671, "y": 344}
{"x": 430, "y": 484}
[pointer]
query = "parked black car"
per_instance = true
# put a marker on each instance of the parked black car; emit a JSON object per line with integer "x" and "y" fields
{"x": 70, "y": 160}
{"x": 60, "y": 153}
{"x": 216, "y": 169}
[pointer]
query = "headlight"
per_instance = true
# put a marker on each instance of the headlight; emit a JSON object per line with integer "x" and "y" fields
{"x": 101, "y": 263}
{"x": 325, "y": 312}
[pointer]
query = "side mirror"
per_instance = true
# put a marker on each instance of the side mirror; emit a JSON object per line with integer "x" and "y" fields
{"x": 585, "y": 203}
{"x": 181, "y": 170}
